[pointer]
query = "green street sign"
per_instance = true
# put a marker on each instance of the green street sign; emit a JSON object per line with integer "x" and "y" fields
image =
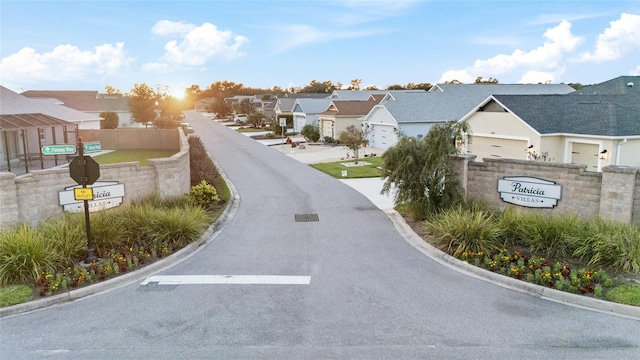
{"x": 62, "y": 149}
{"x": 92, "y": 147}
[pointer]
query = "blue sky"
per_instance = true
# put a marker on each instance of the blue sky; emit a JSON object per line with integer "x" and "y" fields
{"x": 87, "y": 45}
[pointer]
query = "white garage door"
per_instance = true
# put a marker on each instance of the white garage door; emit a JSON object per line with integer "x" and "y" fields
{"x": 382, "y": 137}
{"x": 326, "y": 129}
{"x": 496, "y": 148}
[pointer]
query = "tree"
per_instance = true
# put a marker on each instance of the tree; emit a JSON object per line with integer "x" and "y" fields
{"x": 245, "y": 107}
{"x": 481, "y": 80}
{"x": 355, "y": 84}
{"x": 310, "y": 132}
{"x": 419, "y": 86}
{"x": 142, "y": 100}
{"x": 111, "y": 90}
{"x": 319, "y": 87}
{"x": 111, "y": 120}
{"x": 395, "y": 87}
{"x": 422, "y": 171}
{"x": 371, "y": 87}
{"x": 576, "y": 86}
{"x": 220, "y": 107}
{"x": 353, "y": 138}
{"x": 257, "y": 119}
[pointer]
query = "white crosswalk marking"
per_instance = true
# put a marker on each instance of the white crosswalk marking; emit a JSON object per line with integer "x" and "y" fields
{"x": 227, "y": 280}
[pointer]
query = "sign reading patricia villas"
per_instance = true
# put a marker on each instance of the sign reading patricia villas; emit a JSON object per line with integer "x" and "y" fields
{"x": 529, "y": 192}
{"x": 106, "y": 195}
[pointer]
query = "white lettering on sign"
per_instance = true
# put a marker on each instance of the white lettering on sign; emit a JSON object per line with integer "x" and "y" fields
{"x": 529, "y": 192}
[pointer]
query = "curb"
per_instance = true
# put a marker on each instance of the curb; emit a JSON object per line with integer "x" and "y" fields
{"x": 532, "y": 289}
{"x": 209, "y": 235}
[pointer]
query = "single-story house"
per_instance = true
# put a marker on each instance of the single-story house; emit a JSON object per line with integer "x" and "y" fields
{"x": 27, "y": 124}
{"x": 90, "y": 102}
{"x": 413, "y": 113}
{"x": 307, "y": 111}
{"x": 343, "y": 114}
{"x": 594, "y": 130}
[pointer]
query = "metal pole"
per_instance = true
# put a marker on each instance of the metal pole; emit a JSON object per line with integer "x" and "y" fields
{"x": 91, "y": 253}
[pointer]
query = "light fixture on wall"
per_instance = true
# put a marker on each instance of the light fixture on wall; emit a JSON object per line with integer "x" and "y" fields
{"x": 531, "y": 149}
{"x": 603, "y": 154}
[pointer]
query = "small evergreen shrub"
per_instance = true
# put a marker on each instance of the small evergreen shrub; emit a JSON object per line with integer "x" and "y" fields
{"x": 24, "y": 255}
{"x": 204, "y": 195}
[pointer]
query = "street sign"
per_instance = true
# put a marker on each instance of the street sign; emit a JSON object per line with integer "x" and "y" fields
{"x": 283, "y": 121}
{"x": 83, "y": 194}
{"x": 84, "y": 168}
{"x": 92, "y": 147}
{"x": 61, "y": 149}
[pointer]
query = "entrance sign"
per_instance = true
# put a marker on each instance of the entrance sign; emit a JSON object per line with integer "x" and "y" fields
{"x": 62, "y": 149}
{"x": 106, "y": 195}
{"x": 529, "y": 192}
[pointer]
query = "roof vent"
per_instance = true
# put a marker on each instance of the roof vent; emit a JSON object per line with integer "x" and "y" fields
{"x": 630, "y": 84}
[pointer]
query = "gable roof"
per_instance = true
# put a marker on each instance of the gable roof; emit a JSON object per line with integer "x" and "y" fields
{"x": 306, "y": 95}
{"x": 455, "y": 100}
{"x": 311, "y": 106}
{"x": 617, "y": 86}
{"x": 82, "y": 100}
{"x": 601, "y": 115}
{"x": 364, "y": 94}
{"x": 285, "y": 104}
{"x": 349, "y": 107}
{"x": 13, "y": 103}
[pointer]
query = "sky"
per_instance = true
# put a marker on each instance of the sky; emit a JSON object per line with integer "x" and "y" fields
{"x": 88, "y": 45}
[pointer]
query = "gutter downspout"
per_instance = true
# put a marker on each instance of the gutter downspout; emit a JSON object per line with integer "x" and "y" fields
{"x": 618, "y": 151}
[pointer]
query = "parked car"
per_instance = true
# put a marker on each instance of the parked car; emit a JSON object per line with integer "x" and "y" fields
{"x": 240, "y": 118}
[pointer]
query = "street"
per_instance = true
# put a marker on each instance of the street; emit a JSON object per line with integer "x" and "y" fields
{"x": 309, "y": 268}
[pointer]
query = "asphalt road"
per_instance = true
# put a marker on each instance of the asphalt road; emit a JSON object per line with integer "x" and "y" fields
{"x": 350, "y": 287}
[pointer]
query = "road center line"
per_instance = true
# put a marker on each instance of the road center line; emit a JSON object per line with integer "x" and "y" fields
{"x": 227, "y": 280}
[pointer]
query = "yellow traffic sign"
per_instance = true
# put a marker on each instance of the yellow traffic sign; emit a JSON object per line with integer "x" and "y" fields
{"x": 83, "y": 194}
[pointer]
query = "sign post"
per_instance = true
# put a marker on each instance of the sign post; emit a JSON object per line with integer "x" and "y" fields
{"x": 84, "y": 170}
{"x": 283, "y": 124}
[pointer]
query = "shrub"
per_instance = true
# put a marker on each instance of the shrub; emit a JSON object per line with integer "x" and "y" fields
{"x": 201, "y": 166}
{"x": 111, "y": 120}
{"x": 609, "y": 244}
{"x": 24, "y": 254}
{"x": 67, "y": 235}
{"x": 310, "y": 132}
{"x": 109, "y": 228}
{"x": 551, "y": 236}
{"x": 204, "y": 195}
{"x": 177, "y": 227}
{"x": 459, "y": 230}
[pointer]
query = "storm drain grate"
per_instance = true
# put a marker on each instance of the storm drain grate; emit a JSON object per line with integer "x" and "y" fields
{"x": 307, "y": 217}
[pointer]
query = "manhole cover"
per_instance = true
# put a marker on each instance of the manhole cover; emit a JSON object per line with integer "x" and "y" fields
{"x": 307, "y": 217}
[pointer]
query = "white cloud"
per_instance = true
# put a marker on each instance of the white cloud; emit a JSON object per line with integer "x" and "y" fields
{"x": 621, "y": 37}
{"x": 200, "y": 44}
{"x": 155, "y": 67}
{"x": 166, "y": 27}
{"x": 544, "y": 59}
{"x": 537, "y": 77}
{"x": 64, "y": 62}
{"x": 297, "y": 35}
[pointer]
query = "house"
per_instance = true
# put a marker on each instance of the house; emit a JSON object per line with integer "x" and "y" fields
{"x": 90, "y": 102}
{"x": 365, "y": 94}
{"x": 413, "y": 113}
{"x": 27, "y": 124}
{"x": 342, "y": 114}
{"x": 596, "y": 128}
{"x": 203, "y": 105}
{"x": 307, "y": 111}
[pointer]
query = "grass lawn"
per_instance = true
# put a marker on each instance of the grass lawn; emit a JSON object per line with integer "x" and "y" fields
{"x": 365, "y": 171}
{"x": 120, "y": 156}
{"x": 625, "y": 294}
{"x": 249, "y": 130}
{"x": 14, "y": 294}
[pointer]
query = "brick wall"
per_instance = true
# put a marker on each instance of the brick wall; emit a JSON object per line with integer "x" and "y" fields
{"x": 33, "y": 197}
{"x": 613, "y": 193}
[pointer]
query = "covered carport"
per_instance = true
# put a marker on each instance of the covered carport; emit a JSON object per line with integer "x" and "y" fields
{"x": 23, "y": 135}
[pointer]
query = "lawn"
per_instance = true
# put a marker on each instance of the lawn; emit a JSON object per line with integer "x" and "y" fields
{"x": 365, "y": 171}
{"x": 120, "y": 156}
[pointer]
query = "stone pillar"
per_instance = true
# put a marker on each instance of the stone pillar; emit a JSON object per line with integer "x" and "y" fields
{"x": 461, "y": 164}
{"x": 618, "y": 192}
{"x": 8, "y": 200}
